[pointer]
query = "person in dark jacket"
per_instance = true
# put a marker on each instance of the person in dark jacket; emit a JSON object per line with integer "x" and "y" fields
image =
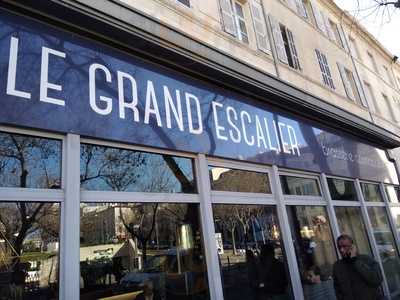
{"x": 273, "y": 281}
{"x": 148, "y": 292}
{"x": 355, "y": 276}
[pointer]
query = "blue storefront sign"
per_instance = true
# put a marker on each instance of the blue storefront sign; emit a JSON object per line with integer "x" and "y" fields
{"x": 54, "y": 80}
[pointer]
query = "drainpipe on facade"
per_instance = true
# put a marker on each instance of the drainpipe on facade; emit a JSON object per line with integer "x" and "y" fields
{"x": 272, "y": 44}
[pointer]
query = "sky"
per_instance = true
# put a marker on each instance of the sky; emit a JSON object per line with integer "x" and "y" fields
{"x": 383, "y": 22}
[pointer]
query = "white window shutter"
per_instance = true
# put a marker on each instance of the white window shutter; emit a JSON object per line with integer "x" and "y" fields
{"x": 260, "y": 26}
{"x": 360, "y": 90}
{"x": 346, "y": 82}
{"x": 279, "y": 43}
{"x": 293, "y": 50}
{"x": 228, "y": 20}
{"x": 328, "y": 27}
{"x": 301, "y": 10}
{"x": 343, "y": 38}
{"x": 318, "y": 17}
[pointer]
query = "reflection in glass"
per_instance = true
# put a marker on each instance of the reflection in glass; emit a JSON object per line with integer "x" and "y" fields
{"x": 350, "y": 222}
{"x": 233, "y": 180}
{"x": 129, "y": 247}
{"x": 29, "y": 243}
{"x": 299, "y": 186}
{"x": 396, "y": 217}
{"x": 342, "y": 189}
{"x": 251, "y": 254}
{"x": 29, "y": 162}
{"x": 371, "y": 192}
{"x": 386, "y": 247}
{"x": 392, "y": 193}
{"x": 112, "y": 169}
{"x": 314, "y": 248}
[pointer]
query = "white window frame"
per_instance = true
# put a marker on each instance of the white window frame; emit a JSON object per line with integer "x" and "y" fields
{"x": 70, "y": 197}
{"x": 239, "y": 18}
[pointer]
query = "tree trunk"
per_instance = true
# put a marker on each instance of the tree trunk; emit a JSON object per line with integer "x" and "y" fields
{"x": 233, "y": 241}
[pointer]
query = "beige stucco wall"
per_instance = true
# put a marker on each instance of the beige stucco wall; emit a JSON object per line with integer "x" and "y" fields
{"x": 202, "y": 21}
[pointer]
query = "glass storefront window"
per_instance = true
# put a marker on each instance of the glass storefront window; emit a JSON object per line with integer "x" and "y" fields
{"x": 386, "y": 247}
{"x": 342, "y": 189}
{"x": 29, "y": 162}
{"x": 112, "y": 169}
{"x": 396, "y": 218}
{"x": 371, "y": 192}
{"x": 234, "y": 180}
{"x": 299, "y": 186}
{"x": 130, "y": 248}
{"x": 315, "y": 249}
{"x": 351, "y": 223}
{"x": 29, "y": 244}
{"x": 251, "y": 254}
{"x": 392, "y": 193}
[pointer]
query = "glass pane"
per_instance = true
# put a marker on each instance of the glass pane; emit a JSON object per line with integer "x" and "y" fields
{"x": 392, "y": 193}
{"x": 386, "y": 247}
{"x": 29, "y": 162}
{"x": 351, "y": 223}
{"x": 371, "y": 192}
{"x": 342, "y": 189}
{"x": 239, "y": 10}
{"x": 299, "y": 186}
{"x": 133, "y": 248}
{"x": 112, "y": 169}
{"x": 251, "y": 254}
{"x": 315, "y": 249}
{"x": 185, "y": 2}
{"x": 232, "y": 180}
{"x": 396, "y": 217}
{"x": 29, "y": 243}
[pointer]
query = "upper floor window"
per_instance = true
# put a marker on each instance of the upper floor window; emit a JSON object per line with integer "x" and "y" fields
{"x": 353, "y": 48}
{"x": 298, "y": 6}
{"x": 373, "y": 62}
{"x": 389, "y": 77}
{"x": 370, "y": 96}
{"x": 325, "y": 71}
{"x": 240, "y": 22}
{"x": 349, "y": 84}
{"x": 233, "y": 19}
{"x": 185, "y": 2}
{"x": 336, "y": 36}
{"x": 389, "y": 107}
{"x": 285, "y": 45}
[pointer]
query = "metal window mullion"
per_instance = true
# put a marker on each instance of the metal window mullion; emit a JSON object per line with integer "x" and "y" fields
{"x": 286, "y": 236}
{"x": 390, "y": 217}
{"x": 70, "y": 218}
{"x": 207, "y": 223}
{"x": 331, "y": 209}
{"x": 31, "y": 195}
{"x": 367, "y": 222}
{"x": 112, "y": 196}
